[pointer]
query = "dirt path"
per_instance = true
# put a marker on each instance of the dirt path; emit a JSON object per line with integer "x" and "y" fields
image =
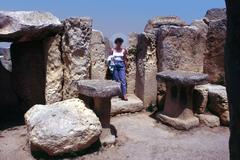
{"x": 139, "y": 138}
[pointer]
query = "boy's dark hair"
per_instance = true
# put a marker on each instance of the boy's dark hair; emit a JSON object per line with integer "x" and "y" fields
{"x": 118, "y": 40}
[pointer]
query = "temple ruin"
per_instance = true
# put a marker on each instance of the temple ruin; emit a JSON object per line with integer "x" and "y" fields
{"x": 174, "y": 67}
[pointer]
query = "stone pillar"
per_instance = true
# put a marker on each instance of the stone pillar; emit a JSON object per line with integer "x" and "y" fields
{"x": 76, "y": 57}
{"x": 146, "y": 84}
{"x": 102, "y": 108}
{"x": 131, "y": 63}
{"x": 97, "y": 50}
{"x": 214, "y": 58}
{"x": 54, "y": 69}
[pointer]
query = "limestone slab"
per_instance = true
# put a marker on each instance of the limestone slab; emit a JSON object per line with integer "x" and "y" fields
{"x": 134, "y": 104}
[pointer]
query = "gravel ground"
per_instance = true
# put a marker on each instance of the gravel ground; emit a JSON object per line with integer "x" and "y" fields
{"x": 139, "y": 138}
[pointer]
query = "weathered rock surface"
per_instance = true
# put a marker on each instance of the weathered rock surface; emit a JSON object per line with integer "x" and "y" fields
{"x": 131, "y": 63}
{"x": 209, "y": 120}
{"x": 216, "y": 13}
{"x": 134, "y": 104}
{"x": 158, "y": 21}
{"x": 27, "y": 25}
{"x": 181, "y": 124}
{"x": 218, "y": 103}
{"x": 182, "y": 77}
{"x": 146, "y": 61}
{"x": 97, "y": 50}
{"x": 54, "y": 71}
{"x": 200, "y": 98}
{"x": 201, "y": 26}
{"x": 181, "y": 48}
{"x": 76, "y": 57}
{"x": 214, "y": 58}
{"x": 62, "y": 127}
{"x": 99, "y": 88}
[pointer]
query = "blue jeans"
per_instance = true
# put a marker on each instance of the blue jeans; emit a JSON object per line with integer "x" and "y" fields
{"x": 119, "y": 75}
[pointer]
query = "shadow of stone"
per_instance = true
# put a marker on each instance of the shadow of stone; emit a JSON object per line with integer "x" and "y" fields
{"x": 9, "y": 119}
{"x": 90, "y": 150}
{"x": 113, "y": 131}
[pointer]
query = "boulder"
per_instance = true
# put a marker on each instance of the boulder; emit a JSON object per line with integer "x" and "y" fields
{"x": 200, "y": 98}
{"x": 218, "y": 103}
{"x": 54, "y": 69}
{"x": 75, "y": 51}
{"x": 97, "y": 51}
{"x": 62, "y": 127}
{"x": 146, "y": 62}
{"x": 131, "y": 63}
{"x": 27, "y": 25}
{"x": 158, "y": 21}
{"x": 214, "y": 58}
{"x": 209, "y": 120}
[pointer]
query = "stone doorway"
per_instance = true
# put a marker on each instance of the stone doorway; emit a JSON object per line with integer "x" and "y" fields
{"x": 29, "y": 73}
{"x": 24, "y": 86}
{"x": 10, "y": 113}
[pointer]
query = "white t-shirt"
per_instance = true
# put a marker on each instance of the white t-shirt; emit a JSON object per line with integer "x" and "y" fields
{"x": 118, "y": 56}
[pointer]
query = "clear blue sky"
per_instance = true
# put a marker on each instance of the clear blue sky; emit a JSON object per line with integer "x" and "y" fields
{"x": 122, "y": 16}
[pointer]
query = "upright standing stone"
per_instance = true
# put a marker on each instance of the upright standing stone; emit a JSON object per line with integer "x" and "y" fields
{"x": 97, "y": 51}
{"x": 131, "y": 63}
{"x": 76, "y": 57}
{"x": 146, "y": 82}
{"x": 54, "y": 71}
{"x": 218, "y": 102}
{"x": 181, "y": 48}
{"x": 200, "y": 98}
{"x": 214, "y": 58}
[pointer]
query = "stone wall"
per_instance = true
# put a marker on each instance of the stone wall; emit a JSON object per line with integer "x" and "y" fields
{"x": 76, "y": 57}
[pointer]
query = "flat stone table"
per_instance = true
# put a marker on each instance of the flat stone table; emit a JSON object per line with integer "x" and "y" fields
{"x": 178, "y": 109}
{"x": 102, "y": 91}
